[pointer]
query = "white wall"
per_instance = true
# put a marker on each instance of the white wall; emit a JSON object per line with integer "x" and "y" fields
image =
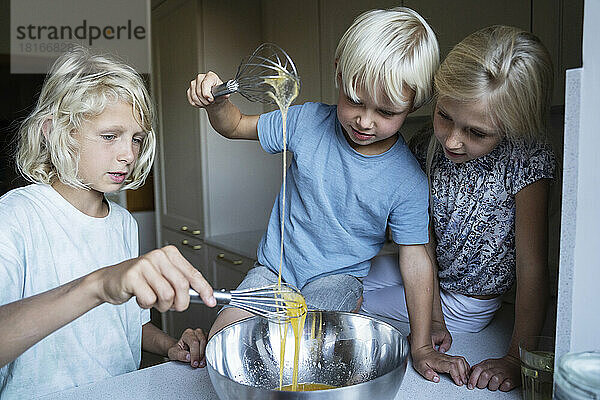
{"x": 578, "y": 324}
{"x": 585, "y": 322}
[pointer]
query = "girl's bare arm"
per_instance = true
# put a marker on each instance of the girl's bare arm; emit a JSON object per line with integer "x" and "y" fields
{"x": 531, "y": 227}
{"x": 531, "y": 240}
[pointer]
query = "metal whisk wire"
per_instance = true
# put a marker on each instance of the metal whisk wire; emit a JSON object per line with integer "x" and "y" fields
{"x": 268, "y": 61}
{"x": 272, "y": 302}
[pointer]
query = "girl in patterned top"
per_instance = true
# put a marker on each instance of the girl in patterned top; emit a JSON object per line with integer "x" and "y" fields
{"x": 489, "y": 171}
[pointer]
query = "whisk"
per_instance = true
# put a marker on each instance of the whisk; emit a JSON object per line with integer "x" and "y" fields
{"x": 269, "y": 62}
{"x": 272, "y": 302}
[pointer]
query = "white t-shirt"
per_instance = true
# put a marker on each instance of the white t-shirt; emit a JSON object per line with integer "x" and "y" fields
{"x": 46, "y": 242}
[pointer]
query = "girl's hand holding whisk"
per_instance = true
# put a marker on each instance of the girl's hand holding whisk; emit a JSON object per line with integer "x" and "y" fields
{"x": 199, "y": 93}
{"x": 159, "y": 279}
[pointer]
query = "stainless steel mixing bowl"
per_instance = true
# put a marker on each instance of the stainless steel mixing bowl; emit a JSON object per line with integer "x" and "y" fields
{"x": 359, "y": 355}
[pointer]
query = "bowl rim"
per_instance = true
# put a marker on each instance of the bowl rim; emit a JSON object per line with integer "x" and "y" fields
{"x": 337, "y": 389}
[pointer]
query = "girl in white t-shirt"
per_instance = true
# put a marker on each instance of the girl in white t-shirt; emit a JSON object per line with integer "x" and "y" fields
{"x": 68, "y": 266}
{"x": 489, "y": 170}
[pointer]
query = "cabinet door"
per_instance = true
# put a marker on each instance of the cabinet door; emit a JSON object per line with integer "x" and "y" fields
{"x": 241, "y": 180}
{"x": 295, "y": 27}
{"x": 230, "y": 268}
{"x": 559, "y": 25}
{"x": 197, "y": 315}
{"x": 193, "y": 249}
{"x": 452, "y": 21}
{"x": 176, "y": 59}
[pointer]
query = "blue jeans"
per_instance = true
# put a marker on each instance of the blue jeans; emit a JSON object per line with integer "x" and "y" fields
{"x": 339, "y": 292}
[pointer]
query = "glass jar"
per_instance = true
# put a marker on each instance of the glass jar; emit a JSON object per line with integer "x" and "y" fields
{"x": 578, "y": 376}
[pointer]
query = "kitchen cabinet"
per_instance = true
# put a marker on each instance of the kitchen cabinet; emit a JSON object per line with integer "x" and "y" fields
{"x": 311, "y": 30}
{"x": 205, "y": 185}
{"x": 202, "y": 178}
{"x": 452, "y": 21}
{"x": 178, "y": 156}
{"x": 197, "y": 315}
{"x": 559, "y": 24}
{"x": 230, "y": 268}
{"x": 192, "y": 248}
{"x": 292, "y": 26}
{"x": 222, "y": 268}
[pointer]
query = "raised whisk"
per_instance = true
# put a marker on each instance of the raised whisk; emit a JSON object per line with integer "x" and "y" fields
{"x": 256, "y": 74}
{"x": 272, "y": 302}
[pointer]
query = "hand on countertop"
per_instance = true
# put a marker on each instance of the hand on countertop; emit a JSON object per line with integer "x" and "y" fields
{"x": 441, "y": 340}
{"x": 496, "y": 373}
{"x": 190, "y": 348}
{"x": 427, "y": 361}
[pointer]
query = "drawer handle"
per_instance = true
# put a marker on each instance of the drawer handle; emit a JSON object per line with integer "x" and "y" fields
{"x": 234, "y": 262}
{"x": 186, "y": 242}
{"x": 196, "y": 232}
{"x": 184, "y": 228}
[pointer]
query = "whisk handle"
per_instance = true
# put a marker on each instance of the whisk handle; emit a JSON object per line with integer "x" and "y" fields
{"x": 222, "y": 297}
{"x": 231, "y": 86}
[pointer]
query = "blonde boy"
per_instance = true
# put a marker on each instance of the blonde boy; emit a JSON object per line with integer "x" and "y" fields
{"x": 73, "y": 292}
{"x": 351, "y": 176}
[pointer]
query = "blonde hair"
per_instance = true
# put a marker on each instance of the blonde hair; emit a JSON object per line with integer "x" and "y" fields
{"x": 507, "y": 68}
{"x": 384, "y": 50}
{"x": 78, "y": 87}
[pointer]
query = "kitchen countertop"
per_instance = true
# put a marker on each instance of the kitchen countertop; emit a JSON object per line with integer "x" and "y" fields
{"x": 176, "y": 380}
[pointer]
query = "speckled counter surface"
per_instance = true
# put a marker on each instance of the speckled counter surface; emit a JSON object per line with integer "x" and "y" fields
{"x": 178, "y": 381}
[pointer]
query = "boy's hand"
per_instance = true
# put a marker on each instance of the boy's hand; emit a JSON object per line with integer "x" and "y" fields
{"x": 160, "y": 279}
{"x": 496, "y": 373}
{"x": 440, "y": 337}
{"x": 427, "y": 361}
{"x": 199, "y": 93}
{"x": 190, "y": 348}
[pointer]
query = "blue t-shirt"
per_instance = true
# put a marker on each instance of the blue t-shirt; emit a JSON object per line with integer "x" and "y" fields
{"x": 338, "y": 201}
